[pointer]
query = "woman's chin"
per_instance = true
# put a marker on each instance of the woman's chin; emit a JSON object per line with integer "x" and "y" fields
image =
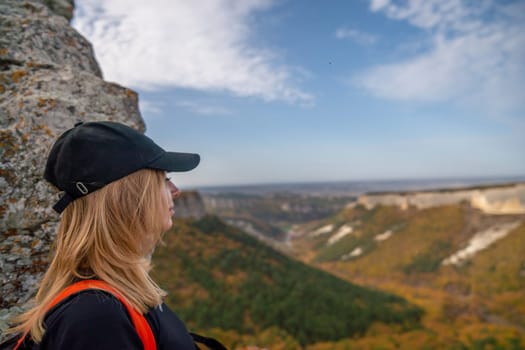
{"x": 168, "y": 225}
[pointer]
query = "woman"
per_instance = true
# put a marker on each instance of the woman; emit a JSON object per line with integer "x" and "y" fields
{"x": 116, "y": 204}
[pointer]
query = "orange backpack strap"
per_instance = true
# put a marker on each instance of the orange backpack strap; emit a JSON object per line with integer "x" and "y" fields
{"x": 139, "y": 321}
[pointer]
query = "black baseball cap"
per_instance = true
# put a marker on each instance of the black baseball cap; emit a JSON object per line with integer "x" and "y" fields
{"x": 91, "y": 155}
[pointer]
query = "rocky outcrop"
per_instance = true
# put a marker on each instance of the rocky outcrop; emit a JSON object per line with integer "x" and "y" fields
{"x": 49, "y": 79}
{"x": 481, "y": 240}
{"x": 509, "y": 199}
{"x": 189, "y": 205}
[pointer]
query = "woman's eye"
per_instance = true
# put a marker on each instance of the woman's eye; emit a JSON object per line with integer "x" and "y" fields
{"x": 168, "y": 179}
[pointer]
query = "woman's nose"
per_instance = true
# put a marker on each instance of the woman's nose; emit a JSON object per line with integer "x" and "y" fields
{"x": 175, "y": 192}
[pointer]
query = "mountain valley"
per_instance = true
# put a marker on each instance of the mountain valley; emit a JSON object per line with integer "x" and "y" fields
{"x": 454, "y": 271}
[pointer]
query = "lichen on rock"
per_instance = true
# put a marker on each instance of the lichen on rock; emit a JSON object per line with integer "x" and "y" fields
{"x": 49, "y": 79}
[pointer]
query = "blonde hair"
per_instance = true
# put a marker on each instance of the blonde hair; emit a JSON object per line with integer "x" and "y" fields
{"x": 107, "y": 235}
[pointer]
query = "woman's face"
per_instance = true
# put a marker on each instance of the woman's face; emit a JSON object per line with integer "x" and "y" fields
{"x": 169, "y": 194}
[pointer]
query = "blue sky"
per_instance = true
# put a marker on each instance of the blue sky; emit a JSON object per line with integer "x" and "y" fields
{"x": 298, "y": 91}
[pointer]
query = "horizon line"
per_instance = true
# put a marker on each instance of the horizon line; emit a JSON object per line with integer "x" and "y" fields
{"x": 494, "y": 178}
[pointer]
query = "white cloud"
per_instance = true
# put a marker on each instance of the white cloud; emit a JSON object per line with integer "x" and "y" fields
{"x": 443, "y": 14}
{"x": 202, "y": 45}
{"x": 378, "y": 4}
{"x": 476, "y": 56}
{"x": 357, "y": 36}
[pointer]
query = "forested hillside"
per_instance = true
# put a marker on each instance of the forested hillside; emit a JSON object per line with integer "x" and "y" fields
{"x": 466, "y": 269}
{"x": 224, "y": 282}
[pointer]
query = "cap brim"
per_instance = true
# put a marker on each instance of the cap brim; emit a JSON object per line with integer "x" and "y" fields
{"x": 176, "y": 162}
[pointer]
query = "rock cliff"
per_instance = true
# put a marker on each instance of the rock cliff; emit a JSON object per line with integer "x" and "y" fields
{"x": 49, "y": 79}
{"x": 189, "y": 205}
{"x": 506, "y": 199}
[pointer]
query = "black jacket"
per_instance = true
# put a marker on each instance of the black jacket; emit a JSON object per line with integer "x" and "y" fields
{"x": 95, "y": 319}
